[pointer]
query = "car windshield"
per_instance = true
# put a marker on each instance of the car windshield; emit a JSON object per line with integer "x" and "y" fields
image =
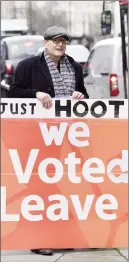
{"x": 23, "y": 49}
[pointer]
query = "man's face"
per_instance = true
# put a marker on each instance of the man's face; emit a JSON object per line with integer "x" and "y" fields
{"x": 56, "y": 47}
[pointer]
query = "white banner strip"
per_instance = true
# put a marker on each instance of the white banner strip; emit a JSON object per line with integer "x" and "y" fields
{"x": 90, "y": 108}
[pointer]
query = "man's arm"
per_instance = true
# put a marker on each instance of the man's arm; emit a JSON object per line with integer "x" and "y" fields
{"x": 82, "y": 88}
{"x": 18, "y": 89}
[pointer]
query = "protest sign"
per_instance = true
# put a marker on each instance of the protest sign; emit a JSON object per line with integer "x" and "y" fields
{"x": 64, "y": 174}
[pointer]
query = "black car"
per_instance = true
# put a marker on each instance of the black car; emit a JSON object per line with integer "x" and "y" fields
{"x": 13, "y": 50}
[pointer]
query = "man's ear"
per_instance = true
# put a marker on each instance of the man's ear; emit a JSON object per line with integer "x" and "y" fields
{"x": 44, "y": 42}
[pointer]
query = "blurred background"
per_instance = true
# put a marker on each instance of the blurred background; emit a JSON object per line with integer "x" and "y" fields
{"x": 22, "y": 28}
{"x": 80, "y": 18}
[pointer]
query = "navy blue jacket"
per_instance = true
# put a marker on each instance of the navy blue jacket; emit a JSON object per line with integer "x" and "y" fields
{"x": 32, "y": 75}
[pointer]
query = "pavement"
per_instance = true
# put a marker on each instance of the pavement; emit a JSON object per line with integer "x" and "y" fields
{"x": 80, "y": 255}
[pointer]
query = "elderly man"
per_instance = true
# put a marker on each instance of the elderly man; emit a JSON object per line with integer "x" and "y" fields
{"x": 53, "y": 74}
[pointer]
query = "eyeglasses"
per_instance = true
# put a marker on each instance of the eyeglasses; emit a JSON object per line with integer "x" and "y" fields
{"x": 57, "y": 41}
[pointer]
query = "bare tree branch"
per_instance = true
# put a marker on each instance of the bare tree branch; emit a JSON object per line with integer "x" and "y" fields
{"x": 49, "y": 15}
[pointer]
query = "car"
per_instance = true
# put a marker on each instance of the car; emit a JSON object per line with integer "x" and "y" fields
{"x": 13, "y": 50}
{"x": 78, "y": 52}
{"x": 104, "y": 70}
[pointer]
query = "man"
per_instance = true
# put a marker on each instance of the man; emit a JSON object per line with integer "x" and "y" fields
{"x": 53, "y": 74}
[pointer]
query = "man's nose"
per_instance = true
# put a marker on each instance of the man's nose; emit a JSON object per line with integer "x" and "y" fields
{"x": 60, "y": 43}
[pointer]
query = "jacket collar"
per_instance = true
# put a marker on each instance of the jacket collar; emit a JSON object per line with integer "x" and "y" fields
{"x": 44, "y": 69}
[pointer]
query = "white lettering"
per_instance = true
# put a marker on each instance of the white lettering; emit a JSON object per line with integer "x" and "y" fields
{"x": 123, "y": 163}
{"x": 23, "y": 177}
{"x": 82, "y": 214}
{"x": 62, "y": 206}
{"x": 72, "y": 161}
{"x": 4, "y": 216}
{"x": 73, "y": 134}
{"x": 58, "y": 170}
{"x": 100, "y": 207}
{"x": 87, "y": 170}
{"x": 26, "y": 207}
{"x": 53, "y": 134}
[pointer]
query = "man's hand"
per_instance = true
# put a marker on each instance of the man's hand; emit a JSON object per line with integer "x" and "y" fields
{"x": 45, "y": 99}
{"x": 77, "y": 95}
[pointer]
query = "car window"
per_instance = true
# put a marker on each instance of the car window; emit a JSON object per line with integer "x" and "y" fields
{"x": 100, "y": 60}
{"x": 22, "y": 49}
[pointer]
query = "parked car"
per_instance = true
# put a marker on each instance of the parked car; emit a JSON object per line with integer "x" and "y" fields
{"x": 13, "y": 50}
{"x": 78, "y": 52}
{"x": 104, "y": 72}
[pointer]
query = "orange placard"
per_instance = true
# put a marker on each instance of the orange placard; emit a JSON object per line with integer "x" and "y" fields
{"x": 64, "y": 183}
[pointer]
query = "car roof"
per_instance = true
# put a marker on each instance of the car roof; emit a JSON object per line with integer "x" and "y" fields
{"x": 110, "y": 41}
{"x": 79, "y": 52}
{"x": 73, "y": 50}
{"x": 76, "y": 46}
{"x": 69, "y": 47}
{"x": 22, "y": 37}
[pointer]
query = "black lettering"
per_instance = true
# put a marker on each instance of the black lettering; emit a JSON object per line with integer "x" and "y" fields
{"x": 32, "y": 107}
{"x": 59, "y": 108}
{"x": 2, "y": 107}
{"x": 14, "y": 108}
{"x": 23, "y": 106}
{"x": 96, "y": 104}
{"x": 85, "y": 109}
{"x": 117, "y": 105}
